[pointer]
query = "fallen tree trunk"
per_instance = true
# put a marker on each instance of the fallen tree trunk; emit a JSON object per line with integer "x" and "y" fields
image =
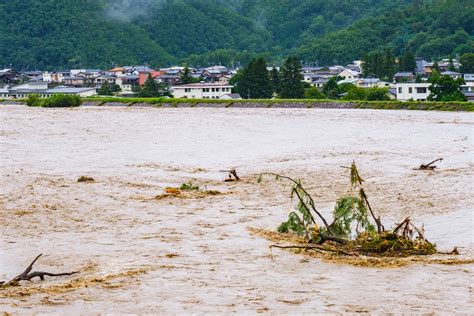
{"x": 27, "y": 275}
{"x": 429, "y": 166}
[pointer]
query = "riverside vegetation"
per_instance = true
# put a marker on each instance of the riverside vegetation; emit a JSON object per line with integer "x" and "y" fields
{"x": 56, "y": 101}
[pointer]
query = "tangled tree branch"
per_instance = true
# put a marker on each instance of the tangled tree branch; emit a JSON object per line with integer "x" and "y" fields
{"x": 351, "y": 211}
{"x": 298, "y": 187}
{"x": 27, "y": 276}
{"x": 429, "y": 166}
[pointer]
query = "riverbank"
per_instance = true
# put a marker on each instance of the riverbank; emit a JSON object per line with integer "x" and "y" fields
{"x": 278, "y": 103}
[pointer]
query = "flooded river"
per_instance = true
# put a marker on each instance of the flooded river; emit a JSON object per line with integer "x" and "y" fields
{"x": 194, "y": 255}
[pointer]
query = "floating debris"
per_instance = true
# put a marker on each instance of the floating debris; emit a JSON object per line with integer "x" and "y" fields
{"x": 352, "y": 231}
{"x": 85, "y": 179}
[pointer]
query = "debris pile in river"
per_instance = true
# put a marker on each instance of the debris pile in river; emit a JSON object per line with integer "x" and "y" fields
{"x": 86, "y": 179}
{"x": 355, "y": 230}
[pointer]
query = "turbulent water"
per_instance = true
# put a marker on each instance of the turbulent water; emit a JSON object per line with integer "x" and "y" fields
{"x": 196, "y": 252}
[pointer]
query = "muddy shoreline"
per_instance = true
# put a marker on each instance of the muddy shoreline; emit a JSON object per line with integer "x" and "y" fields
{"x": 141, "y": 254}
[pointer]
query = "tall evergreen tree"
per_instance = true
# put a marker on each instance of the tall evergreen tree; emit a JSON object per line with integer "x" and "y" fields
{"x": 185, "y": 76}
{"x": 379, "y": 64}
{"x": 105, "y": 89}
{"x": 467, "y": 63}
{"x": 254, "y": 82}
{"x": 291, "y": 84}
{"x": 275, "y": 79}
{"x": 389, "y": 68}
{"x": 407, "y": 62}
{"x": 451, "y": 64}
{"x": 436, "y": 67}
{"x": 331, "y": 88}
{"x": 153, "y": 89}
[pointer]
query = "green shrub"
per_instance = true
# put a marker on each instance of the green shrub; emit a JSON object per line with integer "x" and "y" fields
{"x": 189, "y": 187}
{"x": 33, "y": 100}
{"x": 56, "y": 101}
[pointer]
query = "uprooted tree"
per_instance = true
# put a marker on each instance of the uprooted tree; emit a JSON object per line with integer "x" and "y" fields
{"x": 355, "y": 228}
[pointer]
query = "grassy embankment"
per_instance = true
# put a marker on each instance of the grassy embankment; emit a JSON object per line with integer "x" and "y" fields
{"x": 269, "y": 103}
{"x": 384, "y": 105}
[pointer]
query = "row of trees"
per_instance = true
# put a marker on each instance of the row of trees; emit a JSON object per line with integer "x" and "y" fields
{"x": 384, "y": 65}
{"x": 255, "y": 81}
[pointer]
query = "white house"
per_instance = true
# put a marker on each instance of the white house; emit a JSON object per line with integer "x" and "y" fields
{"x": 82, "y": 92}
{"x": 468, "y": 87}
{"x": 452, "y": 74}
{"x": 372, "y": 83}
{"x": 4, "y": 93}
{"x": 412, "y": 91}
{"x": 469, "y": 77}
{"x": 202, "y": 90}
{"x": 43, "y": 91}
{"x": 348, "y": 74}
{"x": 47, "y": 77}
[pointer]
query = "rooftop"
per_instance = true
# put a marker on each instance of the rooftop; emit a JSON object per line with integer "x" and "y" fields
{"x": 204, "y": 85}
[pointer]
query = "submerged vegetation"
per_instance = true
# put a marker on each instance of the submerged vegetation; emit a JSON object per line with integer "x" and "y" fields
{"x": 355, "y": 229}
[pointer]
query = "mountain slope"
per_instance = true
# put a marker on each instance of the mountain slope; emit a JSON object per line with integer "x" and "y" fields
{"x": 101, "y": 33}
{"x": 63, "y": 33}
{"x": 429, "y": 28}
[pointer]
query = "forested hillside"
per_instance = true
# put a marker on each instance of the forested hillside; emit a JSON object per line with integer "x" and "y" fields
{"x": 101, "y": 33}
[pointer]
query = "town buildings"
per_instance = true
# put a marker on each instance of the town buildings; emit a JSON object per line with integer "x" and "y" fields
{"x": 214, "y": 82}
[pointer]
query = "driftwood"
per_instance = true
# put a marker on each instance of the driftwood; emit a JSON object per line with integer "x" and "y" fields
{"x": 429, "y": 166}
{"x": 232, "y": 175}
{"x": 27, "y": 275}
{"x": 314, "y": 247}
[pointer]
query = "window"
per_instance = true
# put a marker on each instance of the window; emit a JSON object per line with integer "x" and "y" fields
{"x": 187, "y": 89}
{"x": 420, "y": 90}
{"x": 410, "y": 90}
{"x": 400, "y": 90}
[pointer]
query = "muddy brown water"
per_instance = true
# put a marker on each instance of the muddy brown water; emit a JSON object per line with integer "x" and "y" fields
{"x": 198, "y": 255}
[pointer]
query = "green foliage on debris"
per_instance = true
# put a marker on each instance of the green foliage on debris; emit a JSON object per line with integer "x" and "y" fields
{"x": 355, "y": 229}
{"x": 350, "y": 210}
{"x": 189, "y": 187}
